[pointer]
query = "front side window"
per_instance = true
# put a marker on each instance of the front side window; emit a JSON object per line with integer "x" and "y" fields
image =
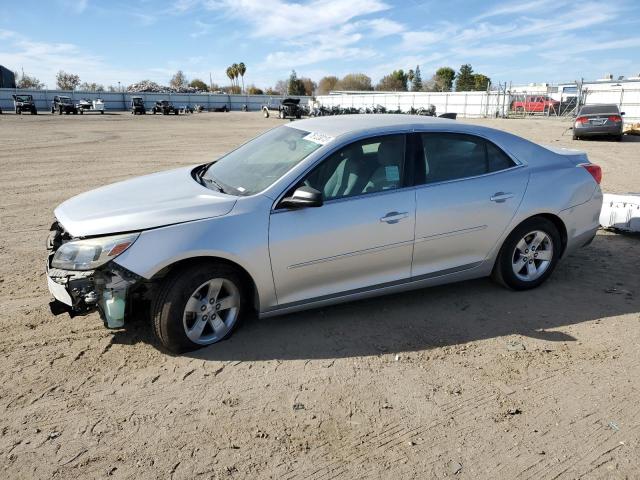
{"x": 366, "y": 166}
{"x": 259, "y": 163}
{"x": 450, "y": 156}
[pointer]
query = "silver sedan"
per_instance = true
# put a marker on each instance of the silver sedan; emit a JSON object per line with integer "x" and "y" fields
{"x": 317, "y": 212}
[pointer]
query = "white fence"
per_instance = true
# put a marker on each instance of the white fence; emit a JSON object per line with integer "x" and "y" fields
{"x": 122, "y": 101}
{"x": 465, "y": 104}
{"x": 477, "y": 104}
{"x": 628, "y": 99}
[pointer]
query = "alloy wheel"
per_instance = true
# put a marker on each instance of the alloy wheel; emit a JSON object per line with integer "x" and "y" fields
{"x": 532, "y": 256}
{"x": 211, "y": 311}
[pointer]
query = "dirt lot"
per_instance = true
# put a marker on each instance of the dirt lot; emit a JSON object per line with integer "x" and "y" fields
{"x": 465, "y": 381}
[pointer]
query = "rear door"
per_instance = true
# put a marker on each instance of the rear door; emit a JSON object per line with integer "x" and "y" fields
{"x": 470, "y": 191}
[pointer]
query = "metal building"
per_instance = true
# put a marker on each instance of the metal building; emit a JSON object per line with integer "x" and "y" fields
{"x": 7, "y": 78}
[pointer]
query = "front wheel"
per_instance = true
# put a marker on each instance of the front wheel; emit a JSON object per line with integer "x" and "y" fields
{"x": 198, "y": 306}
{"x": 529, "y": 255}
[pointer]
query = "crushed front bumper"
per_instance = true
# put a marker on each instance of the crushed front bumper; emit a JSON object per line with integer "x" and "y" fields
{"x": 107, "y": 289}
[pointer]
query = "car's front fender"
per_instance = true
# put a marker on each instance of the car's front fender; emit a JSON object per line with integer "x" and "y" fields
{"x": 240, "y": 237}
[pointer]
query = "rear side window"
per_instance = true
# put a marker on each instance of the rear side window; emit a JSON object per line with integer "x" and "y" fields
{"x": 451, "y": 156}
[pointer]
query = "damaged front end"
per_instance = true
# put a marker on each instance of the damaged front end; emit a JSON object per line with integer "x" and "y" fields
{"x": 82, "y": 278}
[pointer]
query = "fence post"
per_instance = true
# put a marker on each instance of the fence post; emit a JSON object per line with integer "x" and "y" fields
{"x": 446, "y": 103}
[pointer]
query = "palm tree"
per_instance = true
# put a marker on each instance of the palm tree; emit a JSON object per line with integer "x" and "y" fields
{"x": 242, "y": 69}
{"x": 234, "y": 68}
{"x": 230, "y": 75}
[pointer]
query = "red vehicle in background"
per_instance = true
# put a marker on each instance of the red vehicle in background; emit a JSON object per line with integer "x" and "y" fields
{"x": 535, "y": 104}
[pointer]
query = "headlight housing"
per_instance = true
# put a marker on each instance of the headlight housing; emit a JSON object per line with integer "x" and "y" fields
{"x": 91, "y": 253}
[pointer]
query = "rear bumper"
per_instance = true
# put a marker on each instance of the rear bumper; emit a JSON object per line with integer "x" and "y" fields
{"x": 582, "y": 222}
{"x": 595, "y": 131}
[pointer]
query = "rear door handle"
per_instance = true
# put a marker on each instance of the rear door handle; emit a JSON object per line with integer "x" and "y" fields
{"x": 501, "y": 197}
{"x": 394, "y": 217}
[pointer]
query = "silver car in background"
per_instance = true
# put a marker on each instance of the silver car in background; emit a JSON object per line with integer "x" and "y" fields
{"x": 599, "y": 121}
{"x": 317, "y": 212}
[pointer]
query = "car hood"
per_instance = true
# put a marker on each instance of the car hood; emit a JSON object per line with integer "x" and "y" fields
{"x": 141, "y": 203}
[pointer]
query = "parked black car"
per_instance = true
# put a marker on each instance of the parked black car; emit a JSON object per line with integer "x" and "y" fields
{"x": 164, "y": 107}
{"x": 24, "y": 103}
{"x": 62, "y": 104}
{"x": 137, "y": 106}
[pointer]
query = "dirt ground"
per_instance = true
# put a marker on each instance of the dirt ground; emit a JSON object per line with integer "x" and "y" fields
{"x": 463, "y": 381}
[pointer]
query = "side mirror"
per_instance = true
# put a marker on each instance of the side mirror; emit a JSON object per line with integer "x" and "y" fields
{"x": 303, "y": 197}
{"x": 621, "y": 113}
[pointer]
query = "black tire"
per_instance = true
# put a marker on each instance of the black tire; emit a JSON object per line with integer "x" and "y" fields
{"x": 81, "y": 111}
{"x": 503, "y": 269}
{"x": 18, "y": 111}
{"x": 101, "y": 112}
{"x": 168, "y": 306}
{"x": 53, "y": 110}
{"x": 60, "y": 111}
{"x": 34, "y": 111}
{"x": 575, "y": 137}
{"x": 617, "y": 138}
{"x": 265, "y": 112}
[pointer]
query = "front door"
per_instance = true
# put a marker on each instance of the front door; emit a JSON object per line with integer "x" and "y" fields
{"x": 362, "y": 236}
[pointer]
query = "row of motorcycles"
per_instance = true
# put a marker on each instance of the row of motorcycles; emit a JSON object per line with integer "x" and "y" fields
{"x": 323, "y": 111}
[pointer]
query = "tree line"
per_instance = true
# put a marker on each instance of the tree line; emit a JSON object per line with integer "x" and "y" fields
{"x": 445, "y": 79}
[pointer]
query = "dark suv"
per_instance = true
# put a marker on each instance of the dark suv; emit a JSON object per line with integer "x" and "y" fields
{"x": 137, "y": 106}
{"x": 164, "y": 107}
{"x": 62, "y": 104}
{"x": 24, "y": 103}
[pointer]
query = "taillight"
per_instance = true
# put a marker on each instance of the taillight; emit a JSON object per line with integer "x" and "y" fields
{"x": 594, "y": 170}
{"x": 615, "y": 118}
{"x": 582, "y": 120}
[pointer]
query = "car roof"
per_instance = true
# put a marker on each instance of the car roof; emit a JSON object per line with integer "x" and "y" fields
{"x": 338, "y": 125}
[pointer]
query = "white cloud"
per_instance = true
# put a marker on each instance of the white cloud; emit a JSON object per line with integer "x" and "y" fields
{"x": 381, "y": 27}
{"x": 280, "y": 19}
{"x": 529, "y": 6}
{"x": 76, "y": 6}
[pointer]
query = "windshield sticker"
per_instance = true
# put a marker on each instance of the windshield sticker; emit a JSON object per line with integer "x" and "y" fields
{"x": 319, "y": 138}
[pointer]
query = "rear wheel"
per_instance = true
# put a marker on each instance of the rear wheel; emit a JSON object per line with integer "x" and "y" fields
{"x": 198, "y": 306}
{"x": 529, "y": 255}
{"x": 265, "y": 112}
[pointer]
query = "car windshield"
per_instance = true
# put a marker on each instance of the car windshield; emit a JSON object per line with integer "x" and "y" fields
{"x": 65, "y": 100}
{"x": 259, "y": 163}
{"x": 23, "y": 98}
{"x": 595, "y": 109}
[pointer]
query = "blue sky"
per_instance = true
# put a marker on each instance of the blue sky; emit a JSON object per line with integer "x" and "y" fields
{"x": 522, "y": 41}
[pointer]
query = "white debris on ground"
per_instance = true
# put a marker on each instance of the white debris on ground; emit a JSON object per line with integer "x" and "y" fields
{"x": 621, "y": 212}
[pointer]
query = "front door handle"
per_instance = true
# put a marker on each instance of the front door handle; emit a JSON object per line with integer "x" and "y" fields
{"x": 394, "y": 217}
{"x": 501, "y": 197}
